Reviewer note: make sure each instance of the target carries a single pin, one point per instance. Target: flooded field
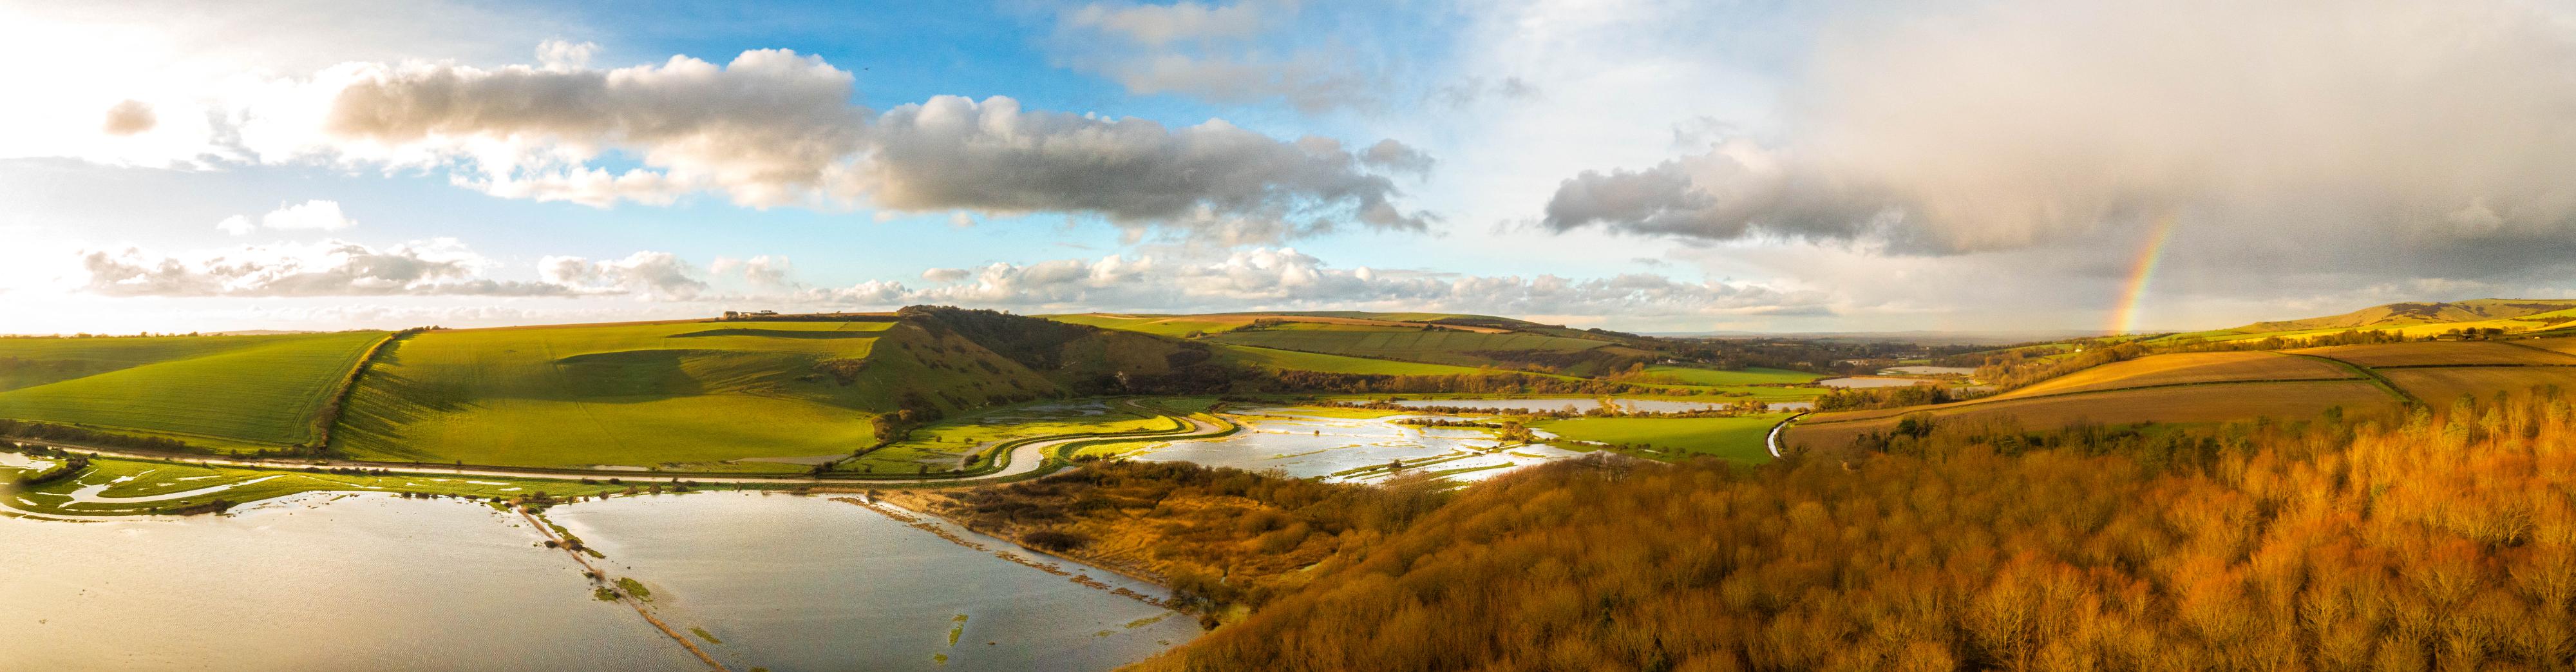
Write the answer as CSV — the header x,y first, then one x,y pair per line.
x,y
1304,444
320,581
805,583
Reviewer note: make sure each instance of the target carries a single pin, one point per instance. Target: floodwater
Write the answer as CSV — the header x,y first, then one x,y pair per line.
x,y
1306,445
1871,382
366,582
805,583
363,581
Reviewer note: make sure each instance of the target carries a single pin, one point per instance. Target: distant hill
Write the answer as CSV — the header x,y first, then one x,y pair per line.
x,y
1441,339
2418,313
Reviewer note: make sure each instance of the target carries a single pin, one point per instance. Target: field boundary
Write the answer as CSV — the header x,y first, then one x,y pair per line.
x,y
2390,386
327,418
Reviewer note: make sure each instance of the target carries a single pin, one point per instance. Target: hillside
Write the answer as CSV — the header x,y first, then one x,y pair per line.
x,y
2423,312
226,392
1423,338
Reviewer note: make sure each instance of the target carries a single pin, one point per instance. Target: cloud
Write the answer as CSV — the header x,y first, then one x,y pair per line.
x,y
770,128
327,268
564,55
1284,278
1213,178
764,271
129,117
313,215
658,275
2397,136
773,128
1397,157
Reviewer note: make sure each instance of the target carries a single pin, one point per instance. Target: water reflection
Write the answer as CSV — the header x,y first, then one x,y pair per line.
x,y
1305,445
367,582
800,583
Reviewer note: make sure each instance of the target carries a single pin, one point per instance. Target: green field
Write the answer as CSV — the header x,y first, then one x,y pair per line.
x,y
1175,326
1748,376
696,396
1738,438
228,392
944,446
1462,348
158,478
1310,361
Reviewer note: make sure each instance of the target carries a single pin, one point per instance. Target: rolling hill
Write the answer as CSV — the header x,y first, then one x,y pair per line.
x,y
2413,320
1474,341
227,392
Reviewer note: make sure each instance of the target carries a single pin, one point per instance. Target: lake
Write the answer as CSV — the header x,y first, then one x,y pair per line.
x,y
1306,445
362,581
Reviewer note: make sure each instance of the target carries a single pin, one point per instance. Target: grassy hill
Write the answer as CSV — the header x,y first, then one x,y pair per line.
x,y
690,393
2413,319
225,392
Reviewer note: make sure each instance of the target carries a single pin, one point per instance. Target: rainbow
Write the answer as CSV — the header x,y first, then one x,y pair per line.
x,y
2124,318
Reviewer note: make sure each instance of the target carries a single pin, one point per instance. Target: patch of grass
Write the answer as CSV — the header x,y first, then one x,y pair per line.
x,y
149,478
687,396
702,634
2441,353
231,392
635,588
942,446
1748,376
1737,438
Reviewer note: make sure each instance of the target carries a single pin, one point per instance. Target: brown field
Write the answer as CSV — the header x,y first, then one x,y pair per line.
x,y
2208,403
2559,344
2440,385
2438,353
2189,367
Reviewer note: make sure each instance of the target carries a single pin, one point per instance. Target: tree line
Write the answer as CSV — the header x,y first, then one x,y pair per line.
x,y
2441,539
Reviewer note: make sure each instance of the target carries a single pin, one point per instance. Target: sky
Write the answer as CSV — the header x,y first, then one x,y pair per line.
x,y
1639,165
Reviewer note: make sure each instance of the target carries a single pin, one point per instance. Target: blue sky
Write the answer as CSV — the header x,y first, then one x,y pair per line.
x,y
1636,164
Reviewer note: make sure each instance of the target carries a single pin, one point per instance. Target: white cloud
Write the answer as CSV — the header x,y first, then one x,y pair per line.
x,y
327,268
770,128
1283,278
655,275
306,216
1159,25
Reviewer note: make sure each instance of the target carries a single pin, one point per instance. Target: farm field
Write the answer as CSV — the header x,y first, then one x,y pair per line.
x,y
2197,403
2440,353
943,446
2440,385
697,395
1310,361
1740,439
2186,368
1748,376
1439,347
224,392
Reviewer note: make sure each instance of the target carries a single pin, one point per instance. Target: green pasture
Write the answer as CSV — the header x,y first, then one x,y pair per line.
x,y
1309,361
699,396
1440,347
1737,438
944,445
1748,376
231,392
